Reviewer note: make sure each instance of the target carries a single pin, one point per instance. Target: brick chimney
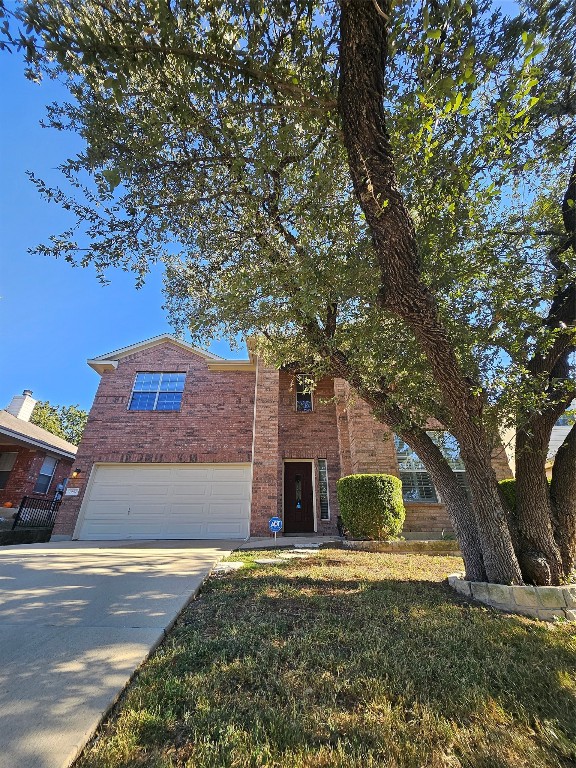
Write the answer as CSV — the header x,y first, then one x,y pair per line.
x,y
22,405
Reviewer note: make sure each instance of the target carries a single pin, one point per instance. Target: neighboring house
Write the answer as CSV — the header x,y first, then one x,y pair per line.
x,y
182,444
559,434
33,461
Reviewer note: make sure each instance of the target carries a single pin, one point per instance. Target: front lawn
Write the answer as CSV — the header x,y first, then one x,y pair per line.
x,y
347,660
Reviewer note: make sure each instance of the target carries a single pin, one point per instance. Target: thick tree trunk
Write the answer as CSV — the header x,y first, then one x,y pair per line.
x,y
563,496
457,504
538,554
363,48
454,497
493,529
545,519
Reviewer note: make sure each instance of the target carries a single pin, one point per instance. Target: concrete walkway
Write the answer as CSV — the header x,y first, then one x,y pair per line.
x,y
284,542
76,620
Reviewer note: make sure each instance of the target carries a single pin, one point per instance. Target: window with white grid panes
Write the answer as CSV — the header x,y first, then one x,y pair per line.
x,y
417,485
157,392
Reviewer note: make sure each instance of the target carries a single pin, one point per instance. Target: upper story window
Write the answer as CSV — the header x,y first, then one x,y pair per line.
x,y
7,461
304,394
157,392
46,474
417,484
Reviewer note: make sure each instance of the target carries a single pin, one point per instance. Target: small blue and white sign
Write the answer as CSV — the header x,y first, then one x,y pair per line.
x,y
275,524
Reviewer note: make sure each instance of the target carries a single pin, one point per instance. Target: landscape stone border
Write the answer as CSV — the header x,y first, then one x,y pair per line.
x,y
429,546
544,603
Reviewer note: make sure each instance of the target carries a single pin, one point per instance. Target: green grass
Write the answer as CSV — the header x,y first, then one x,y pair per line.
x,y
347,660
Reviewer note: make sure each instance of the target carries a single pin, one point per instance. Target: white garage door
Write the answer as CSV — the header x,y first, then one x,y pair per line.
x,y
167,501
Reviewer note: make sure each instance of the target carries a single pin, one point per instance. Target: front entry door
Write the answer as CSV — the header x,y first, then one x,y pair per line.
x,y
298,497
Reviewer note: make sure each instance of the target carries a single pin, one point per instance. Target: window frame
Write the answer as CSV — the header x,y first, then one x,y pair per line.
x,y
44,474
325,462
156,392
7,472
418,468
299,377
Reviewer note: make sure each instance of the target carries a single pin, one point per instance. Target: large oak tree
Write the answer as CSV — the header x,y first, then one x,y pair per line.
x,y
383,192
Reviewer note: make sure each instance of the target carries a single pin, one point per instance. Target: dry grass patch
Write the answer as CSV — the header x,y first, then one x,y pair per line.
x,y
347,660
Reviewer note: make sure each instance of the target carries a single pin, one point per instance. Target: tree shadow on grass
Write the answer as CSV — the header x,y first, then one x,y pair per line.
x,y
268,669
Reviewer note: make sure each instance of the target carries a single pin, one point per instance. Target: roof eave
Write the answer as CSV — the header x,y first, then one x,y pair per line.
x,y
100,366
37,443
232,365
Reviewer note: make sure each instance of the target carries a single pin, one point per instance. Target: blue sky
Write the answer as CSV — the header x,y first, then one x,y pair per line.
x,y
53,316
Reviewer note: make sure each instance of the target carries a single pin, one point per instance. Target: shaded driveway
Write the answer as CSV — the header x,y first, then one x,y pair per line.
x,y
76,619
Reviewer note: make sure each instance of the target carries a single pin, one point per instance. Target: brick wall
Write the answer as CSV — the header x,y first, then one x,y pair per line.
x,y
266,470
214,424
366,445
500,463
25,473
311,435
427,517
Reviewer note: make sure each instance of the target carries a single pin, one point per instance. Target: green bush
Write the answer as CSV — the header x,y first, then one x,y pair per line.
x,y
371,506
508,490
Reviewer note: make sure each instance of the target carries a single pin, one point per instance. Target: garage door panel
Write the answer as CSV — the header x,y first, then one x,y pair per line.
x,y
230,490
188,511
187,475
199,491
146,502
110,492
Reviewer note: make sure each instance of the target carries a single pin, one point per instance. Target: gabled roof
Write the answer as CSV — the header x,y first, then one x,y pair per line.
x,y
23,431
110,361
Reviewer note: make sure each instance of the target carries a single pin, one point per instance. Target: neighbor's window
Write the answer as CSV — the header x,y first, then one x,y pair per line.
x,y
46,474
157,392
416,482
7,461
303,394
323,487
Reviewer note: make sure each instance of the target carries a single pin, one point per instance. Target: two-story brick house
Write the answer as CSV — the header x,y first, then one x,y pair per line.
x,y
183,444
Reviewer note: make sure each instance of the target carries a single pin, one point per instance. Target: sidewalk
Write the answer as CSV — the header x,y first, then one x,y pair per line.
x,y
286,542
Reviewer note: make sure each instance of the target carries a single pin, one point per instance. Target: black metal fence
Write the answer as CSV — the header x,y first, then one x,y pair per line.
x,y
36,513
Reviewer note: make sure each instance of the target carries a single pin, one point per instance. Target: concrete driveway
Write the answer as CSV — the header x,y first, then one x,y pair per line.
x,y
76,620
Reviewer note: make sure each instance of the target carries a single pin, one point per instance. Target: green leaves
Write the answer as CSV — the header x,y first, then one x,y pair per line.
x,y
112,176
213,145
67,422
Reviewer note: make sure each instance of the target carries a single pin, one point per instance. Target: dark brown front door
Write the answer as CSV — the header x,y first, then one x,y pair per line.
x,y
298,497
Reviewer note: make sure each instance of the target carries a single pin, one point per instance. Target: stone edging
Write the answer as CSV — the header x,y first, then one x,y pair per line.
x,y
432,547
545,603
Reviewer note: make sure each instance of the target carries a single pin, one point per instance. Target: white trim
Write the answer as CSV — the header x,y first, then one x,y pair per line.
x,y
223,366
98,464
322,520
302,461
110,360
158,391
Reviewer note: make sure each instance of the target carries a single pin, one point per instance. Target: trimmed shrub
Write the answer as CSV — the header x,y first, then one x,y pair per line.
x,y
508,490
371,506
